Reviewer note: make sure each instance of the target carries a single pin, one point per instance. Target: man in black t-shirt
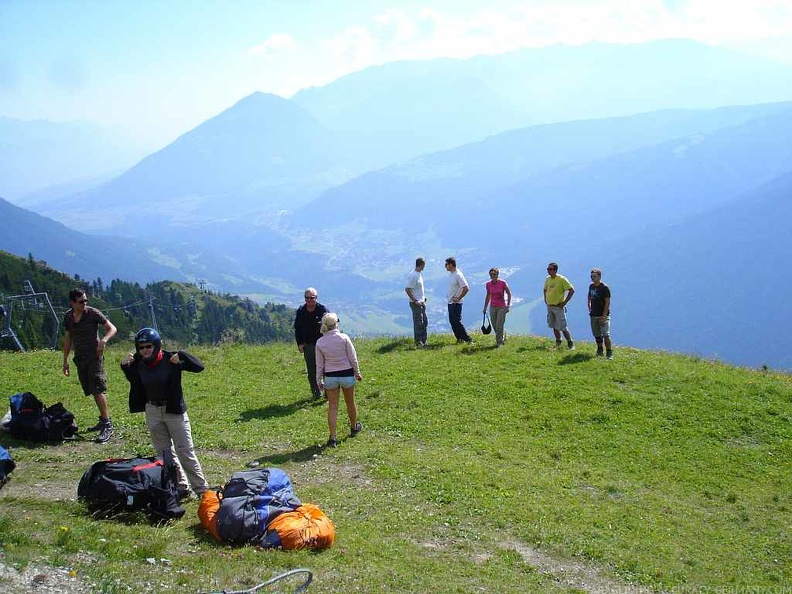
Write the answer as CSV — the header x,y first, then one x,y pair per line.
x,y
82,334
599,299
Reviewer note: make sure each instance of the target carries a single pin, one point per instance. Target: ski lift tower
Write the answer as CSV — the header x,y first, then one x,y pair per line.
x,y
6,331
29,300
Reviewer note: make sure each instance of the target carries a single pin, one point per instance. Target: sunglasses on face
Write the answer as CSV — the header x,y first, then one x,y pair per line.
x,y
144,347
83,301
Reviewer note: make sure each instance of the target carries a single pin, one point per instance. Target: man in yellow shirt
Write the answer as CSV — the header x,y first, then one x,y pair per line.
x,y
557,293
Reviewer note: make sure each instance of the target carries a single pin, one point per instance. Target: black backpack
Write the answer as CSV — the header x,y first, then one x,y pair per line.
x,y
120,485
32,421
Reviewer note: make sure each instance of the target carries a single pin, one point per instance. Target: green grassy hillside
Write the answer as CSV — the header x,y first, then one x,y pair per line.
x,y
522,469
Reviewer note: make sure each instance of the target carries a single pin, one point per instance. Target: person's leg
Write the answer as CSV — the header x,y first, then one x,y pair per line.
x,y
455,319
606,335
561,324
161,441
596,331
419,326
553,324
101,404
462,329
498,316
309,353
332,411
95,383
181,434
424,323
93,380
349,400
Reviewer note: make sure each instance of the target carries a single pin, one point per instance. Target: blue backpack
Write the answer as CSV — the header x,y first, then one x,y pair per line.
x,y
251,499
6,466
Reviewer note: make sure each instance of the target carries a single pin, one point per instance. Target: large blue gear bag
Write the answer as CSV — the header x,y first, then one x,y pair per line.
x,y
7,464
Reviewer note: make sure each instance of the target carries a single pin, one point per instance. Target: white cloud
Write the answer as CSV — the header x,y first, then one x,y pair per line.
x,y
430,33
427,33
279,41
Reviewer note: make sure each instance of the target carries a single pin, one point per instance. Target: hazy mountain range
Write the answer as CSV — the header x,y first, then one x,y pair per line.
x,y
628,158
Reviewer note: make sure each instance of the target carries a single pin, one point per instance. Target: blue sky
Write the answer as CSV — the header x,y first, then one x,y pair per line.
x,y
156,69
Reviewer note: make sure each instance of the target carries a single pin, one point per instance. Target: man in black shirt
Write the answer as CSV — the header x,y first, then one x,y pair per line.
x,y
599,298
306,332
82,324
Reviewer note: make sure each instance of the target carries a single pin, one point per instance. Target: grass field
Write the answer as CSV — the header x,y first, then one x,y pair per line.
x,y
522,469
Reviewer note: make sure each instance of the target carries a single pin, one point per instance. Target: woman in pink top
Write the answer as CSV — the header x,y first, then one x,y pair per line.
x,y
499,298
337,369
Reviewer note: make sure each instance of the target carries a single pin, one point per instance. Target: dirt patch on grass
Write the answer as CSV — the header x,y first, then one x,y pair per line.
x,y
575,574
36,579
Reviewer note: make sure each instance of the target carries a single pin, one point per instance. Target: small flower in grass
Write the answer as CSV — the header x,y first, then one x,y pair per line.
x,y
63,535
72,573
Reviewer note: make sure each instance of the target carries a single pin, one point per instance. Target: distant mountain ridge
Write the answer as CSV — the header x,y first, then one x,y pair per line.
x,y
619,171
259,154
92,256
536,86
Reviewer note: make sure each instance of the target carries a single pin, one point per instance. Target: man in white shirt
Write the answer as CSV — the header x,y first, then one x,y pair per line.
x,y
457,289
415,291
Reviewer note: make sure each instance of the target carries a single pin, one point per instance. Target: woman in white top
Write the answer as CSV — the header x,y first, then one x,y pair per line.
x,y
337,369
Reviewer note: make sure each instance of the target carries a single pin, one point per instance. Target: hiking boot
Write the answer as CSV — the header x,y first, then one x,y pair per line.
x,y
600,352
104,433
609,356
570,345
558,344
356,429
331,443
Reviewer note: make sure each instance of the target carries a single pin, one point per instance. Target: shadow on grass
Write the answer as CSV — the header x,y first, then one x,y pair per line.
x,y
474,348
120,515
201,535
575,358
402,344
433,346
302,455
406,344
80,436
542,346
279,410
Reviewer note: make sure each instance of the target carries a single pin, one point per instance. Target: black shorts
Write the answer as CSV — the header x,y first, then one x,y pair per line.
x,y
92,376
